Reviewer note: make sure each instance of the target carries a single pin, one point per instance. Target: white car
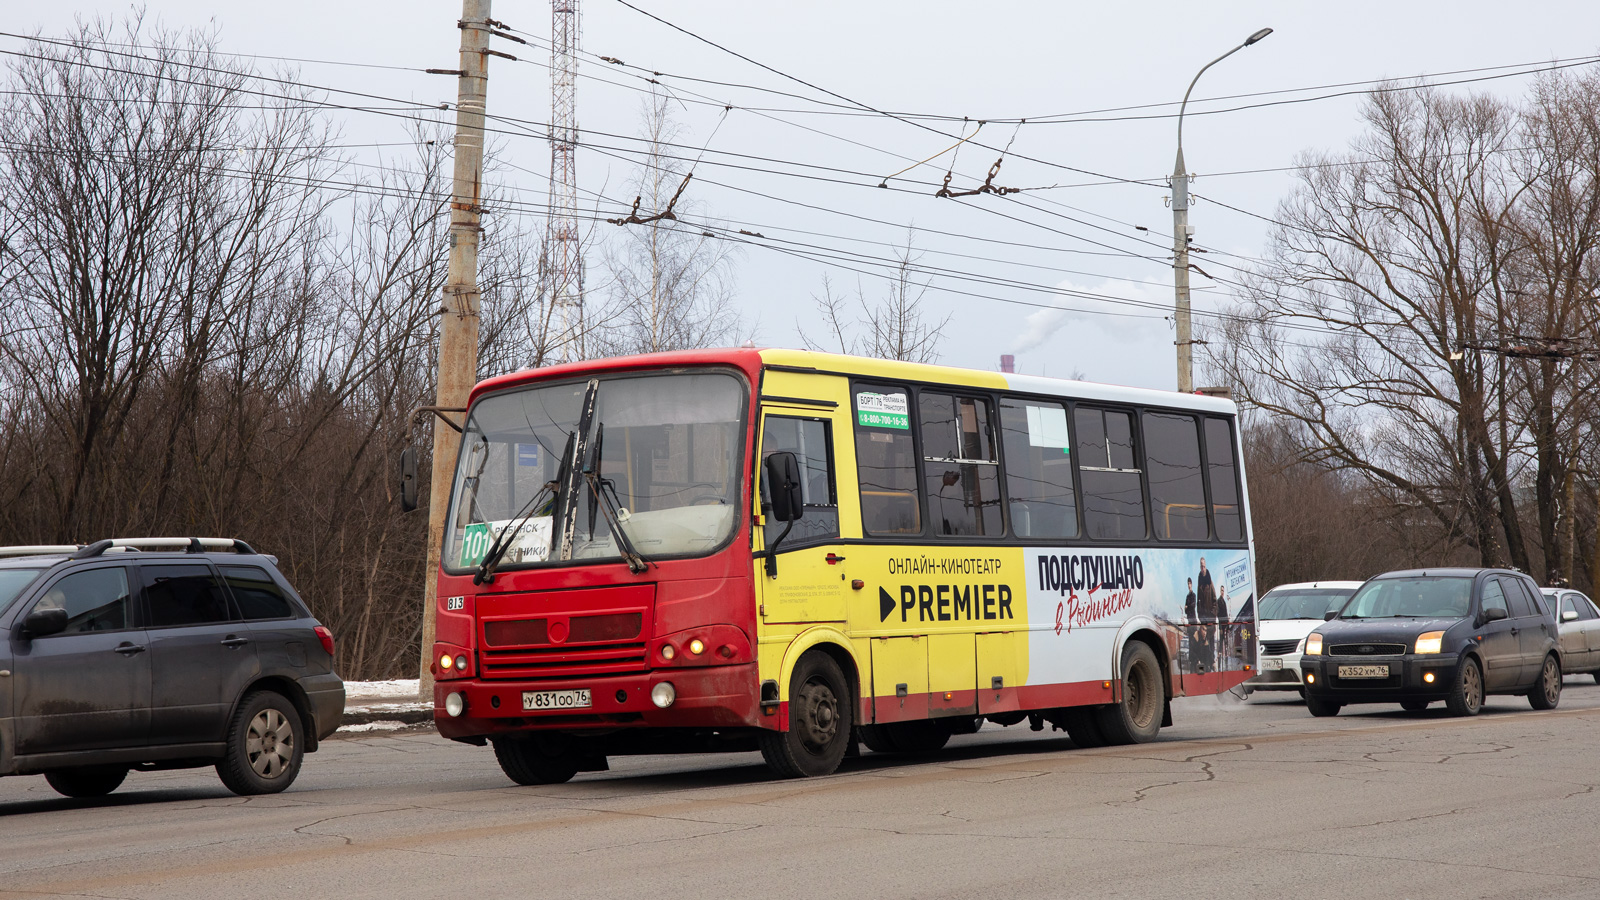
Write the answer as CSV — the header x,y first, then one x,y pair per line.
x,y
1579,625
1286,614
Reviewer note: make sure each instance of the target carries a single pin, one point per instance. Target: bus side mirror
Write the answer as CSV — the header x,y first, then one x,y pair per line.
x,y
408,479
783,486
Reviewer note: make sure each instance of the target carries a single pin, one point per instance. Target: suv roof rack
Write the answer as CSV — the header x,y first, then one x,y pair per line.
x,y
39,550
164,544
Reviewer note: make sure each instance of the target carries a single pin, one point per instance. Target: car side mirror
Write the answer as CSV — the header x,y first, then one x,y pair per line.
x,y
1569,615
1494,614
408,479
783,486
1330,615
44,622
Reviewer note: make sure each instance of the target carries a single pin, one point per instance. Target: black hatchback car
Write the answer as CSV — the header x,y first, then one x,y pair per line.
x,y
162,653
1423,635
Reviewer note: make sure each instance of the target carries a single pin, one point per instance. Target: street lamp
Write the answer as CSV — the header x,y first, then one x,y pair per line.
x,y
1182,232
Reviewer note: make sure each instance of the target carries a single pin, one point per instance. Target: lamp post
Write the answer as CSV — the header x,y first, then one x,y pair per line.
x,y
1182,232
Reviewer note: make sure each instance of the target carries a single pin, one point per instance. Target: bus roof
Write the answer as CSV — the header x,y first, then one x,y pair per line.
x,y
751,360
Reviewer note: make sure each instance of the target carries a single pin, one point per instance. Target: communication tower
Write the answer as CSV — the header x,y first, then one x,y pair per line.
x,y
565,259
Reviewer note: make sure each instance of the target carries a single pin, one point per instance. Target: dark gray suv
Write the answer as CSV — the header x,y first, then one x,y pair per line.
x,y
159,653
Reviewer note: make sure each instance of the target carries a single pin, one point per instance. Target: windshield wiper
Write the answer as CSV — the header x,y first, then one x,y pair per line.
x,y
603,496
502,541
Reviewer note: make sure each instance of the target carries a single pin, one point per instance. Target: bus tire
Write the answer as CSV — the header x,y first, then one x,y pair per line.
x,y
529,761
820,718
1082,727
877,738
1136,718
922,736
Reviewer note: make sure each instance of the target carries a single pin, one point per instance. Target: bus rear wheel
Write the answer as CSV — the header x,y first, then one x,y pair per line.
x,y
1136,718
821,714
1081,725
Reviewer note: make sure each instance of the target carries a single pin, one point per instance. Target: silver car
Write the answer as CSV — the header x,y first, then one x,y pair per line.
x,y
1580,630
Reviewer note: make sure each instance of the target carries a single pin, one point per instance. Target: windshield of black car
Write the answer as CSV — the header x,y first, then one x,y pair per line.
x,y
12,581
1423,596
1302,603
667,446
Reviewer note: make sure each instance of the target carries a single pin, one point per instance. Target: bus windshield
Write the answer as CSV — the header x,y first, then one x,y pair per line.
x,y
658,455
1303,603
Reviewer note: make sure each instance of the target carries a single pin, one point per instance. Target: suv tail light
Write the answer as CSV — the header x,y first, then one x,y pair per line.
x,y
326,637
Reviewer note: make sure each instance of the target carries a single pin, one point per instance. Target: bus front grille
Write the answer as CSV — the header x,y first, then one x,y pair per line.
x,y
563,663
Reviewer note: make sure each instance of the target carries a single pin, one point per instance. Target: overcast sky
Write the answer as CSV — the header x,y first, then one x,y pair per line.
x,y
994,60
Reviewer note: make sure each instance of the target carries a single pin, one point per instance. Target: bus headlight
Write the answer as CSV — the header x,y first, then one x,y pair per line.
x,y
455,704
1313,644
663,694
1430,642
446,661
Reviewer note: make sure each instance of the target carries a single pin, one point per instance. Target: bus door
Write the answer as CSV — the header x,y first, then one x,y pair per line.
x,y
812,583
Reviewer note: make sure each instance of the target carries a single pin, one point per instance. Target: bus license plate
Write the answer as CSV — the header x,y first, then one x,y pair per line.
x,y
578,699
1363,671
1271,663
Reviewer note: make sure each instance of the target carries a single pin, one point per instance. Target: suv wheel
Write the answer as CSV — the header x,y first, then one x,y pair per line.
x,y
90,781
265,745
1466,694
1321,708
1547,693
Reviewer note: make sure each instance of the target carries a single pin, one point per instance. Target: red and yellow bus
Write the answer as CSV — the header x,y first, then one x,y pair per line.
x,y
795,551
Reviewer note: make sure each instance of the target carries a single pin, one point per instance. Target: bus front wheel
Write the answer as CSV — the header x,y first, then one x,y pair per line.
x,y
1136,718
529,760
821,714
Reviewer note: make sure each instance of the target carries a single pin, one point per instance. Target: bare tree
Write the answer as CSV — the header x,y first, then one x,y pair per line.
x,y
671,281
897,326
1423,307
213,325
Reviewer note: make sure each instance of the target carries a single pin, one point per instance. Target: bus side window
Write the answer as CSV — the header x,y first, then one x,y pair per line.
x,y
962,474
1224,473
1177,486
808,440
886,461
1038,457
1113,497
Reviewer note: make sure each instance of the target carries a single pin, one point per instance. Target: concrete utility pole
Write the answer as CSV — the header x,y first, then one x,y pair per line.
x,y
1182,231
458,323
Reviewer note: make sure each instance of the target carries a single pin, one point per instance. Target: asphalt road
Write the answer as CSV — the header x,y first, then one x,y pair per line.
x,y
1237,800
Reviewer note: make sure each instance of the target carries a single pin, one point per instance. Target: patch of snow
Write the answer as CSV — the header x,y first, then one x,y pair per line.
x,y
375,726
390,708
397,689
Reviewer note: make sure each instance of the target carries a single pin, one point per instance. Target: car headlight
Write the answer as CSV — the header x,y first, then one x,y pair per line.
x,y
1430,642
1300,647
1313,644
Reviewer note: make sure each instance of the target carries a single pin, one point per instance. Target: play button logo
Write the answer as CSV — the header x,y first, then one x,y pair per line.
x,y
885,604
